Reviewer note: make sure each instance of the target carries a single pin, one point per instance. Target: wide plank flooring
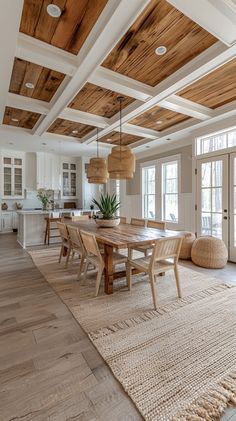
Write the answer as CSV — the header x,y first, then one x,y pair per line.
x,y
49,369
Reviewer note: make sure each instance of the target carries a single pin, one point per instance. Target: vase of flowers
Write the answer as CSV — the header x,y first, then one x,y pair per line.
x,y
44,199
108,207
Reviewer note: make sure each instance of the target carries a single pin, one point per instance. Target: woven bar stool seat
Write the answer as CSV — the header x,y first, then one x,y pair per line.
x,y
188,240
209,252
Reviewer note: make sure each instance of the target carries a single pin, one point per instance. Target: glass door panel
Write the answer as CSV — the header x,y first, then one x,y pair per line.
x,y
213,197
7,181
18,182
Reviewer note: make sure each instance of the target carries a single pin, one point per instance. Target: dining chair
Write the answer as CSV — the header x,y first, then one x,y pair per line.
x,y
94,256
138,221
164,257
51,226
65,242
76,246
123,219
160,225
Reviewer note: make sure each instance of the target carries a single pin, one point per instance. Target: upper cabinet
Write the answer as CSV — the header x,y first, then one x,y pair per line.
x,y
69,176
13,175
48,171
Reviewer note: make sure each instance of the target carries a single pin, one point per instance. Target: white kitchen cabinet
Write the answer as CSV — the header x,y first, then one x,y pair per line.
x,y
48,171
13,175
6,221
69,179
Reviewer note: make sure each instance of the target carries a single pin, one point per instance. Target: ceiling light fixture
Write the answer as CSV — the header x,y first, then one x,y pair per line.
x,y
75,132
159,122
29,85
53,10
161,50
44,144
15,120
121,161
97,169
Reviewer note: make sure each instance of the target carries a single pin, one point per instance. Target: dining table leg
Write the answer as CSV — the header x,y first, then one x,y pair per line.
x,y
108,270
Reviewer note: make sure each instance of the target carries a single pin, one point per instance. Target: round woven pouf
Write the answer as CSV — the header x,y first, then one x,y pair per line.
x,y
188,240
209,252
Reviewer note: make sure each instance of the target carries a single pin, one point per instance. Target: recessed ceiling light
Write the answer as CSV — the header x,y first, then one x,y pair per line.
x,y
15,120
29,85
147,147
161,50
44,144
75,131
53,10
109,140
159,121
168,138
11,143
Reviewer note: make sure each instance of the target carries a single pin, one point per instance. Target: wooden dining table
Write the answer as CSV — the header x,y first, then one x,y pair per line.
x,y
120,237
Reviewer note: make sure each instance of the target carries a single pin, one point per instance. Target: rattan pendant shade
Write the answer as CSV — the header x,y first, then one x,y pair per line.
x,y
121,161
97,169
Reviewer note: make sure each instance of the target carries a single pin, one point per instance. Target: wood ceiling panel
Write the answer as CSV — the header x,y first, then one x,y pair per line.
x,y
215,89
65,127
45,81
96,100
114,139
158,118
160,24
26,119
70,30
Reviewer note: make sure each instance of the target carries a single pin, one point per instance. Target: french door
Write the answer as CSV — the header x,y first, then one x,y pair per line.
x,y
216,204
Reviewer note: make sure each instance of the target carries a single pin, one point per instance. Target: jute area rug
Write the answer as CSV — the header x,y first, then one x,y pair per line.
x,y
176,363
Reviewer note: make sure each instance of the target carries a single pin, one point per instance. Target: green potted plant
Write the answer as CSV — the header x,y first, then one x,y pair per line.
x,y
108,206
44,199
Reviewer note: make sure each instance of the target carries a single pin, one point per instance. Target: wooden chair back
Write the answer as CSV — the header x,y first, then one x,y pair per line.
x,y
90,244
166,248
75,238
123,219
160,225
139,222
63,231
54,214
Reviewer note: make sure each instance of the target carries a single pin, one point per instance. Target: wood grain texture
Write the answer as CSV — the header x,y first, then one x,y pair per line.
x,y
215,89
65,127
45,81
123,235
159,24
26,119
70,30
166,118
96,100
114,138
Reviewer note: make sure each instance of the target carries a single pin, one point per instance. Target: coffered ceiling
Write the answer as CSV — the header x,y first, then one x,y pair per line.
x,y
171,61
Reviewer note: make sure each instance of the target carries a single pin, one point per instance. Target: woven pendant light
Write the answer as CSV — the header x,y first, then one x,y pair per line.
x,y
121,161
97,169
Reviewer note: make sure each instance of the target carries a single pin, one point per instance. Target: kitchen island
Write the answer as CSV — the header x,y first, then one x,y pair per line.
x,y
31,226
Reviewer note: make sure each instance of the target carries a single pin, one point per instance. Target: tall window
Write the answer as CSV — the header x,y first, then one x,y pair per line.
x,y
148,191
170,194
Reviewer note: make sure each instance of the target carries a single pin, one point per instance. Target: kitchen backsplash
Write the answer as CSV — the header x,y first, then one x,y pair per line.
x,y
32,202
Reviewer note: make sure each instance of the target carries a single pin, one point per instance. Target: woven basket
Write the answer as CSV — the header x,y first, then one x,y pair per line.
x,y
188,240
209,252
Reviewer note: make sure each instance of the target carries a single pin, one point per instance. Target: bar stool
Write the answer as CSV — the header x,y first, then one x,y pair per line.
x,y
51,220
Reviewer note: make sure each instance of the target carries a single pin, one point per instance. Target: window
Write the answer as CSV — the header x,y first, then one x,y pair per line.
x,y
170,194
216,142
148,192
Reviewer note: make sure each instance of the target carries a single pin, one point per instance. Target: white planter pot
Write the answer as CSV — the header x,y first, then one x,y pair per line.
x,y
107,223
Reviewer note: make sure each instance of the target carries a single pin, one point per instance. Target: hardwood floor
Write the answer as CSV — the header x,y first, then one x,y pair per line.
x,y
49,369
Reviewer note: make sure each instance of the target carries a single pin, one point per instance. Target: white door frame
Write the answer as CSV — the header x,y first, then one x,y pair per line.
x,y
232,230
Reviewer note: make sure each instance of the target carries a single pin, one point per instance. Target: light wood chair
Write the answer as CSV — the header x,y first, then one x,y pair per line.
x,y
51,226
138,221
123,219
76,247
146,248
94,256
160,225
164,257
77,218
65,242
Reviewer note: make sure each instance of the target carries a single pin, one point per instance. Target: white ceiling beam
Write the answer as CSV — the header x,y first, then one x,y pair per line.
x,y
114,81
197,68
27,104
112,24
216,16
46,55
9,26
185,106
84,118
139,131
